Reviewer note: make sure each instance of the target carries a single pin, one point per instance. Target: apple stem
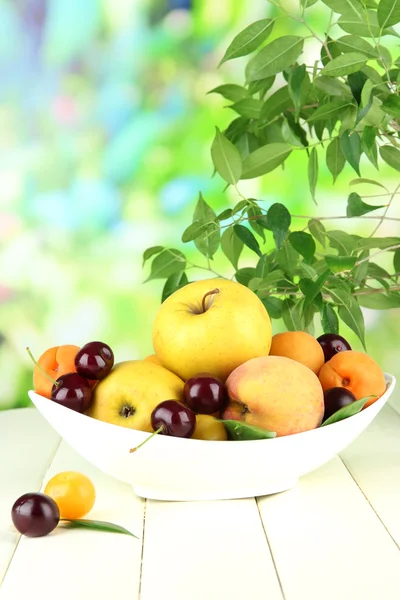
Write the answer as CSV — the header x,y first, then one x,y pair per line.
x,y
35,362
159,430
203,302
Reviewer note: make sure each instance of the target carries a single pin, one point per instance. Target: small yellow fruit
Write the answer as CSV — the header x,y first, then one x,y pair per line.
x,y
208,428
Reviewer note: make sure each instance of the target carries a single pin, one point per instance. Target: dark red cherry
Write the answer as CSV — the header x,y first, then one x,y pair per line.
x,y
35,514
332,343
175,418
72,391
205,394
94,360
336,398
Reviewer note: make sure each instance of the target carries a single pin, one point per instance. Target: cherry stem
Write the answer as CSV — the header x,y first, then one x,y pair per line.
x,y
203,302
35,362
159,430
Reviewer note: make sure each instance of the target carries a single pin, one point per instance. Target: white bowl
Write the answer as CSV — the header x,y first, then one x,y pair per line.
x,y
170,468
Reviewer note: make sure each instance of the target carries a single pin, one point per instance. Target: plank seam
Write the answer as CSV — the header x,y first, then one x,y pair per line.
x,y
142,553
270,549
370,504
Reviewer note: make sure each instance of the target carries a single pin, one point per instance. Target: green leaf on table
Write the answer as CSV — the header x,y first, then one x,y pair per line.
x,y
230,91
350,144
248,107
149,252
343,242
361,180
175,282
357,207
291,314
166,263
226,158
396,261
276,104
354,43
345,64
273,306
207,242
248,40
245,275
349,311
231,246
332,87
317,230
265,159
303,243
313,171
340,263
380,300
275,57
92,524
239,431
388,13
329,319
391,105
391,156
329,110
245,235
347,411
335,159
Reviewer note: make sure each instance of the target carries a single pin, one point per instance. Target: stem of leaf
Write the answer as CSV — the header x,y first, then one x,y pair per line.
x,y
385,211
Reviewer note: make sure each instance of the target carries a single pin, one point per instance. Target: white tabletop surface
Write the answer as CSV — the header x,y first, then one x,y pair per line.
x,y
335,536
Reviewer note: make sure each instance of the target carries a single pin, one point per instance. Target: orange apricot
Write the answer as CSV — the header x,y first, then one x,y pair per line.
x,y
55,361
299,346
355,371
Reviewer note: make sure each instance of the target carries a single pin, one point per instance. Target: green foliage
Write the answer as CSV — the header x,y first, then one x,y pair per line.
x,y
345,105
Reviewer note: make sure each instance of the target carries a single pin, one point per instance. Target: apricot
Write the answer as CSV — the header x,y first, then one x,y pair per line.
x,y
154,359
299,346
355,371
55,361
275,393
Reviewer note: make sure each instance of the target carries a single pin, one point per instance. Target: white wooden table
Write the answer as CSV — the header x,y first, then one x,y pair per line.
x,y
335,536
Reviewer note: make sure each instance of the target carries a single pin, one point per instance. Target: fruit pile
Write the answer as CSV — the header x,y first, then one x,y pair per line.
x,y
216,369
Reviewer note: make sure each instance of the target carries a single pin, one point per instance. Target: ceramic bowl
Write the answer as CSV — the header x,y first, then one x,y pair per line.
x,y
170,468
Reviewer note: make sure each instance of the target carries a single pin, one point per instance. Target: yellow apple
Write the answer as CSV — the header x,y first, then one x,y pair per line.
x,y
213,326
130,392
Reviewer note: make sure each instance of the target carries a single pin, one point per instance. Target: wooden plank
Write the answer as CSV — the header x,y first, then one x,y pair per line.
x,y
27,445
327,542
78,563
374,462
206,551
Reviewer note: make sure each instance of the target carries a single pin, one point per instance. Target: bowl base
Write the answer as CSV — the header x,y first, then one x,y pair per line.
x,y
185,496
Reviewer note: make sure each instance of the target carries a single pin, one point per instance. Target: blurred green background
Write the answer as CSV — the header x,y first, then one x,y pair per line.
x,y
105,134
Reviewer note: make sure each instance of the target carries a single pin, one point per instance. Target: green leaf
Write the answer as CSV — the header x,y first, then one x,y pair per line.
x,y
365,24
349,311
350,144
208,241
291,314
379,301
376,242
361,270
261,86
340,263
329,110
273,306
230,91
236,129
151,252
335,159
391,105
240,206
226,158
249,39
275,57
315,288
347,411
391,156
388,13
317,230
239,431
351,43
231,246
333,49
313,171
357,207
265,159
307,3
375,270
342,6
369,144
278,102
247,238
396,261
248,107
245,275
246,144
329,320
194,231
303,243
343,242
278,217
288,258
262,268
98,525
296,79
361,180
225,214
268,281
345,64
332,87
174,282
257,220
166,263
